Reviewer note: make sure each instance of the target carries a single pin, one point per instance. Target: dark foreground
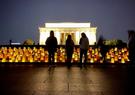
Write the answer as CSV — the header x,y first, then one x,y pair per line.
x,y
60,80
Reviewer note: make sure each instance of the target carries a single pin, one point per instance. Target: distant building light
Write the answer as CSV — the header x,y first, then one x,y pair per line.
x,y
15,43
62,30
67,25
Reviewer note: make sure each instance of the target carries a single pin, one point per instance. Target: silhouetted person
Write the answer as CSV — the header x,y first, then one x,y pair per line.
x,y
84,46
10,42
131,45
69,49
51,44
102,46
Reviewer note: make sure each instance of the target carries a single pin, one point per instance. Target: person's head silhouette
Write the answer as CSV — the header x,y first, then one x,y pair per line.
x,y
51,33
83,35
69,37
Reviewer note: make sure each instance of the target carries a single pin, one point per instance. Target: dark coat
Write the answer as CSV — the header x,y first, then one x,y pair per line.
x,y
69,46
51,44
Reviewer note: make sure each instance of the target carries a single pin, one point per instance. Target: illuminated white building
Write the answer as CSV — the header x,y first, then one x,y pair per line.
x,y
62,30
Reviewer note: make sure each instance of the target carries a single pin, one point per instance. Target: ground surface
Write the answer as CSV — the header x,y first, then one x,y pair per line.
x,y
60,80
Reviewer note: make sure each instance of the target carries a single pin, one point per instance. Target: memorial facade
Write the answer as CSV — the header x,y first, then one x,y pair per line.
x,y
62,30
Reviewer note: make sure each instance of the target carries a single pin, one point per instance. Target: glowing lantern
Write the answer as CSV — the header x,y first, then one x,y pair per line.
x,y
100,55
125,49
112,55
119,57
16,60
122,60
116,53
120,53
108,56
115,49
115,58
112,60
42,59
3,60
23,59
128,60
10,60
93,51
63,60
122,50
73,56
101,61
46,60
31,59
91,60
95,59
1,55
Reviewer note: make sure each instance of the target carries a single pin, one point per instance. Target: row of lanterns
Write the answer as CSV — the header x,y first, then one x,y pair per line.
x,y
27,54
115,55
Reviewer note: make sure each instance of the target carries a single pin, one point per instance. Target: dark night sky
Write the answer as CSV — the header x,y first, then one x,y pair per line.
x,y
20,19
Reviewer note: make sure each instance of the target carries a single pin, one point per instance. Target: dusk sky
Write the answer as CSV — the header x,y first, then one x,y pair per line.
x,y
20,19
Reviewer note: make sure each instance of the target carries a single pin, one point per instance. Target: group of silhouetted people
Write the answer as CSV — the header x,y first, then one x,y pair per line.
x,y
52,44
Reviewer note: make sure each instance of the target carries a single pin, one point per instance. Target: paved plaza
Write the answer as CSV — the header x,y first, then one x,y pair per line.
x,y
60,80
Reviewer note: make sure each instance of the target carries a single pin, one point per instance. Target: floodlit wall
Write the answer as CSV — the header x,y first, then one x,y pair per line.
x,y
61,30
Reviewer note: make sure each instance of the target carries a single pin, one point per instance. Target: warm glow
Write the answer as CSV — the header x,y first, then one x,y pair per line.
x,y
67,25
28,54
43,37
91,36
77,37
57,34
62,30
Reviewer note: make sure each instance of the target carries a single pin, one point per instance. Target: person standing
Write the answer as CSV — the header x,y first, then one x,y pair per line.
x,y
51,44
84,46
103,47
69,49
131,45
